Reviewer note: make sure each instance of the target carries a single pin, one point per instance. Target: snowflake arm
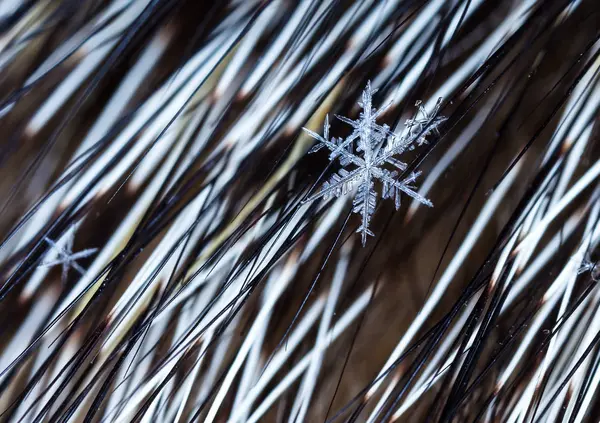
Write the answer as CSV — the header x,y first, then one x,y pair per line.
x,y
364,204
420,127
333,145
366,129
339,184
392,187
323,140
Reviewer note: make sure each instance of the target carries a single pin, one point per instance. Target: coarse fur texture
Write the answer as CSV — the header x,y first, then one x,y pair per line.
x,y
166,254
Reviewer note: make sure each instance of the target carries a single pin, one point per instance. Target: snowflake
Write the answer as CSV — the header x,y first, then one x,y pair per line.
x,y
378,146
589,266
426,124
66,257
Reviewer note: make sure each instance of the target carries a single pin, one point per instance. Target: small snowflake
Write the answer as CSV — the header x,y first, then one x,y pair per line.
x,y
378,146
589,266
66,257
424,123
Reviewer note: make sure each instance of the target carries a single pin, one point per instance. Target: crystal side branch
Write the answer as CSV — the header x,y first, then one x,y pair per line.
x,y
376,147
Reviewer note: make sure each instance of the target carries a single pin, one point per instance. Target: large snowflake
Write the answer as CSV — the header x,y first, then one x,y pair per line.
x,y
378,147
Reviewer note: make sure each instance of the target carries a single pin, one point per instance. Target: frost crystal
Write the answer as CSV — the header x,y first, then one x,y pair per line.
x,y
377,146
589,266
424,123
66,257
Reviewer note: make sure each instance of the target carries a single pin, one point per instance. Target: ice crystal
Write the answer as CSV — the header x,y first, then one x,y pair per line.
x,y
66,257
376,148
589,266
424,123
